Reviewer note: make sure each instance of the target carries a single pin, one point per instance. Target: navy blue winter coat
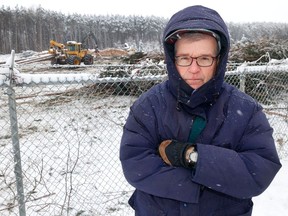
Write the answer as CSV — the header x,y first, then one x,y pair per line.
x,y
237,159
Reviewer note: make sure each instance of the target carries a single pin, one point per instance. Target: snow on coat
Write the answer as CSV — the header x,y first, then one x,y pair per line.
x,y
237,158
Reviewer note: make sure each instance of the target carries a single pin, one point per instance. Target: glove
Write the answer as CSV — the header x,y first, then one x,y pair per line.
x,y
174,153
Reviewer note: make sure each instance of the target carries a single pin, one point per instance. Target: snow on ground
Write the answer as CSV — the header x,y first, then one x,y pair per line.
x,y
273,202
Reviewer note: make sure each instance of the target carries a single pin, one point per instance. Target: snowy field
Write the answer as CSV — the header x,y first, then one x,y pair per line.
x,y
67,144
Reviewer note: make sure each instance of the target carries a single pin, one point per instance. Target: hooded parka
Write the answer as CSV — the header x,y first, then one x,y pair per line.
x,y
237,158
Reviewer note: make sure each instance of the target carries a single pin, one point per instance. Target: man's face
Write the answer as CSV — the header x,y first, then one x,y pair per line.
x,y
195,75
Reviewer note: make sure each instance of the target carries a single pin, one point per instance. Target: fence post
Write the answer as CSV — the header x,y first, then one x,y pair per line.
x,y
242,82
15,142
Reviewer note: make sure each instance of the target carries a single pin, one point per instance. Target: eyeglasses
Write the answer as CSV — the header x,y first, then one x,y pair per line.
x,y
202,61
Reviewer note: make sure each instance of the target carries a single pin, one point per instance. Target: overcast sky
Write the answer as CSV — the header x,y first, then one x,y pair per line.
x,y
230,10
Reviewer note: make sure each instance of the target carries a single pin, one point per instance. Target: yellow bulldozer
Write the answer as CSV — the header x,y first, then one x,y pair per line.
x,y
70,53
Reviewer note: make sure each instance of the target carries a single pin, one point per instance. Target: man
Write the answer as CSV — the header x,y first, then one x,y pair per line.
x,y
194,145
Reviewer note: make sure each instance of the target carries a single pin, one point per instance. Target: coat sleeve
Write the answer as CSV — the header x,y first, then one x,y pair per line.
x,y
247,167
142,166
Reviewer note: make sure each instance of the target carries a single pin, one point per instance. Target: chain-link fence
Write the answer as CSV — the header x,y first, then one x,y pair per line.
x,y
60,134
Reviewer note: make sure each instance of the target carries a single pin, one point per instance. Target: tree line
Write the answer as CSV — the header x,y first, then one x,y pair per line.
x,y
31,29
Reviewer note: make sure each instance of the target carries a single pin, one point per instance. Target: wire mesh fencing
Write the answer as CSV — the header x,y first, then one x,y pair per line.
x,y
60,140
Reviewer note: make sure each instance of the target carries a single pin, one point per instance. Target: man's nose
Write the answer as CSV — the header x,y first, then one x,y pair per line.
x,y
194,67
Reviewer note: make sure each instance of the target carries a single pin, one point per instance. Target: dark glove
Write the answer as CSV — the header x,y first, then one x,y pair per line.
x,y
174,153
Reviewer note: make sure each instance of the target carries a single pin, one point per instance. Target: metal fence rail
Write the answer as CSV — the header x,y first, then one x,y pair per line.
x,y
65,131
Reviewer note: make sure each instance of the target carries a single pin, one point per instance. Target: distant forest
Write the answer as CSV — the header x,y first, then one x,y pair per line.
x,y
31,29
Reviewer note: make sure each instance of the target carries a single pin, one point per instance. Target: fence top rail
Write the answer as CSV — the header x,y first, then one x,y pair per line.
x,y
74,78
258,69
58,79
